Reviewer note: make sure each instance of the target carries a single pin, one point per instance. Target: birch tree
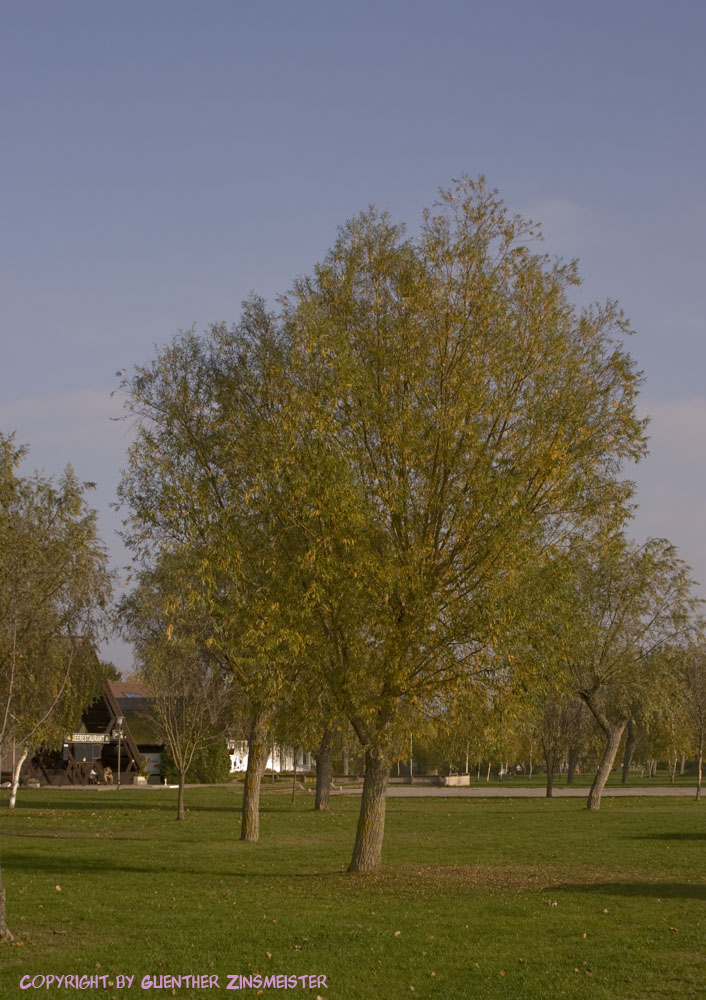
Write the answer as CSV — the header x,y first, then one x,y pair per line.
x,y
54,594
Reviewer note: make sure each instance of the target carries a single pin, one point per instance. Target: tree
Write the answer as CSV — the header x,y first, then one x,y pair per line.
x,y
54,592
456,413
191,700
421,418
618,613
694,668
208,437
556,724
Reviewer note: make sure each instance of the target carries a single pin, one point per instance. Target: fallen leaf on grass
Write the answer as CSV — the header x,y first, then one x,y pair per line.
x,y
397,933
269,954
60,932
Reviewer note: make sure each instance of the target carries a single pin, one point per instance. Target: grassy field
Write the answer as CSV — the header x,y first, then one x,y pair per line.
x,y
485,899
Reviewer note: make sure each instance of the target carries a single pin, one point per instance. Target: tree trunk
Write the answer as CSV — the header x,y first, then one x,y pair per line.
x,y
257,759
180,800
367,851
682,765
573,757
411,762
699,769
629,750
613,735
5,934
549,758
324,773
344,763
487,777
16,777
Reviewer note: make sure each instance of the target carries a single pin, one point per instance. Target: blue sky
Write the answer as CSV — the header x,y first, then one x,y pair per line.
x,y
162,160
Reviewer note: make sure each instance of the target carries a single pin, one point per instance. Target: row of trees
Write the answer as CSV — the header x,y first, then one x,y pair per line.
x,y
512,727
401,487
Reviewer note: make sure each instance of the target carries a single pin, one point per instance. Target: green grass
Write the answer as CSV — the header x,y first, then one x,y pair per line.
x,y
492,899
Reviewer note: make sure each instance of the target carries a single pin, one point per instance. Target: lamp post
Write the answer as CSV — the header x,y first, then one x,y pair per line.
x,y
119,733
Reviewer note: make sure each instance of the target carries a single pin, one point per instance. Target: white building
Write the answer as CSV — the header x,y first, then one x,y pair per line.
x,y
280,758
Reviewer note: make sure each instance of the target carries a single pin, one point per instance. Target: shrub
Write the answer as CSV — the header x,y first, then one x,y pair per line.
x,y
209,766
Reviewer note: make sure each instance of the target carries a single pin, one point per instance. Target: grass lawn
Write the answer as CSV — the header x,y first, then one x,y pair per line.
x,y
488,899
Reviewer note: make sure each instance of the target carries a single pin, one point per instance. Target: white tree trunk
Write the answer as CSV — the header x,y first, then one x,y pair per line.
x,y
16,776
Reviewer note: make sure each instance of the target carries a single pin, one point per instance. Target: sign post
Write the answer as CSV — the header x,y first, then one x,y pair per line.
x,y
119,733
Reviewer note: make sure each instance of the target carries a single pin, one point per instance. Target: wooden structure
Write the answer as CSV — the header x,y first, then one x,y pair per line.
x,y
104,750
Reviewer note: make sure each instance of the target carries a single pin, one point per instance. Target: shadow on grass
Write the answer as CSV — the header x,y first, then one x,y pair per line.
x,y
115,802
109,803
18,862
694,835
651,890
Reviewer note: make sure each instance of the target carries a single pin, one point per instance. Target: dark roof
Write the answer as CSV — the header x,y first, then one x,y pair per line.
x,y
134,700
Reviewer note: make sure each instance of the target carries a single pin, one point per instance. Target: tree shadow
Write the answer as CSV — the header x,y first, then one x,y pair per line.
x,y
103,804
694,835
14,861
651,890
115,802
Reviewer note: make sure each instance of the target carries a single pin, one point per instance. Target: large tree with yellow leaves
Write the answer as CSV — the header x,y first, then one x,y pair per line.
x,y
428,414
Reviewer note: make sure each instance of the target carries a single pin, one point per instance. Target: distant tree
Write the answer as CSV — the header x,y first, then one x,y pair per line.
x,y
556,725
615,611
190,696
694,673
